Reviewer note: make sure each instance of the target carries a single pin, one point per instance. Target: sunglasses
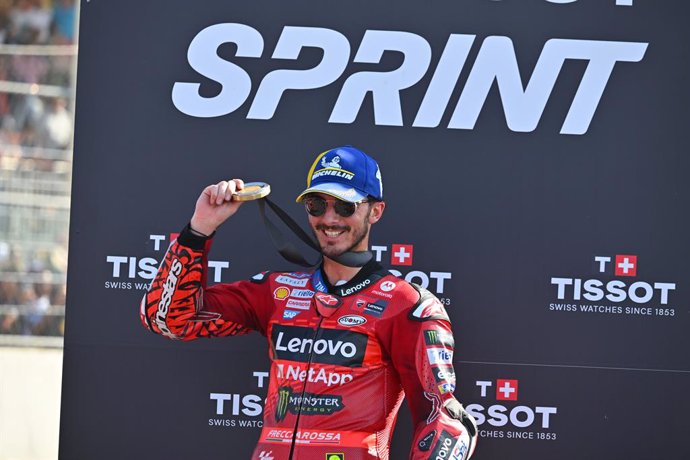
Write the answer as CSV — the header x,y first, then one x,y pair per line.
x,y
316,206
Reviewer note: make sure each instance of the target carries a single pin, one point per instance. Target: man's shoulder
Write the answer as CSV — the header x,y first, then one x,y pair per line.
x,y
396,291
416,302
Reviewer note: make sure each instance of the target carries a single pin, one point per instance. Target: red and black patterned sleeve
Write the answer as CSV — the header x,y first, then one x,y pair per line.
x,y
421,350
178,306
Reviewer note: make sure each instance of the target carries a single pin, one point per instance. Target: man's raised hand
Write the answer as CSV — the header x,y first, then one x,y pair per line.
x,y
215,205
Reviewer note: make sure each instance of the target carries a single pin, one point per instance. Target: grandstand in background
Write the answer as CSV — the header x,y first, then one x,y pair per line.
x,y
37,77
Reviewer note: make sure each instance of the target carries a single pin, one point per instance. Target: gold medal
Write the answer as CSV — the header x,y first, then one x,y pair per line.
x,y
252,191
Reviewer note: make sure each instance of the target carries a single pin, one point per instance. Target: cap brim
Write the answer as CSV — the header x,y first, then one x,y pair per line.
x,y
339,191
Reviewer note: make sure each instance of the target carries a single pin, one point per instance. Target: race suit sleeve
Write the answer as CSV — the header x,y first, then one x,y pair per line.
x,y
178,306
420,344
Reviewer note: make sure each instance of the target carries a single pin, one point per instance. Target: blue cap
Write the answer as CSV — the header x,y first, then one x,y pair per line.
x,y
346,173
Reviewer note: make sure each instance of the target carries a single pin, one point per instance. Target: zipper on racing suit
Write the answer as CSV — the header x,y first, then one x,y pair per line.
x,y
304,386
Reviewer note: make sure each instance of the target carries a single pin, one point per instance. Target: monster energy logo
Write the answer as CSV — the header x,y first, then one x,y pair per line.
x,y
309,404
283,401
436,337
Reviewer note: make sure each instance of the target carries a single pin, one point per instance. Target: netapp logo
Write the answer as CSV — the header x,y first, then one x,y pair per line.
x,y
329,346
496,60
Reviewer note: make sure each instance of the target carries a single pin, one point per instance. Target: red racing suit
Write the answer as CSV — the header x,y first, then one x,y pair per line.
x,y
342,358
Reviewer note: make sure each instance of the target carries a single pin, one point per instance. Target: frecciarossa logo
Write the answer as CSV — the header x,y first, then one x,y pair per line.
x,y
326,346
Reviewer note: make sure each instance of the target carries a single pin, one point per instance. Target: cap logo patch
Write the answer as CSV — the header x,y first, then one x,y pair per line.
x,y
334,163
332,168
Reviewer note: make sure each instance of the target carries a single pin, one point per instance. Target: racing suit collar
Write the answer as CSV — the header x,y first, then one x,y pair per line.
x,y
366,276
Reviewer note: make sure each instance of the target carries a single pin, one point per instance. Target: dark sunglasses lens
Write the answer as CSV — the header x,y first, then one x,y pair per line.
x,y
315,206
344,209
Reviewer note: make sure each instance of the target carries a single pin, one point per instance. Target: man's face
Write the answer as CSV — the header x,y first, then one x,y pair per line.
x,y
337,234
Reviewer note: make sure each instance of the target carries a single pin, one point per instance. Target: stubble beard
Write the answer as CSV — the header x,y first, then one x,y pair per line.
x,y
358,236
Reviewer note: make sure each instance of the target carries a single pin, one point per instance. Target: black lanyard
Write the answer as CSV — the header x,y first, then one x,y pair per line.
x,y
289,251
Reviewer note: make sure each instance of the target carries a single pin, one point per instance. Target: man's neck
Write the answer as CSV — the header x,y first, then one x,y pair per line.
x,y
337,273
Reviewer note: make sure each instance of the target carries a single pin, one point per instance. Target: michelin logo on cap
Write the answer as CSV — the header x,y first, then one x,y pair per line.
x,y
346,173
332,168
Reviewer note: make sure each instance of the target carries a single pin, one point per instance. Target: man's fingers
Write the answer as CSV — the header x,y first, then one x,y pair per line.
x,y
234,186
222,188
212,192
223,191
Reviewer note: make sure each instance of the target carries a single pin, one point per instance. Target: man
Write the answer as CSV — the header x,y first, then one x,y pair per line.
x,y
347,343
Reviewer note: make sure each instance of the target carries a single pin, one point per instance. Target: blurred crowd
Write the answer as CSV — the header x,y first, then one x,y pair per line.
x,y
37,22
32,290
36,119
37,63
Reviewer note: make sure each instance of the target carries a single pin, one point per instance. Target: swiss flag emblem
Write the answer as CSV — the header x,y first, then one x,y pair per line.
x,y
506,390
402,254
626,265
173,236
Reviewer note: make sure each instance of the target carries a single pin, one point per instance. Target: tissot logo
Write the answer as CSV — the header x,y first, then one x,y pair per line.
x,y
614,289
134,272
510,416
402,255
496,62
237,409
327,346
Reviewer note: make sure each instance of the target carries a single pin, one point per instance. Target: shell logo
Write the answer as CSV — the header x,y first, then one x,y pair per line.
x,y
281,293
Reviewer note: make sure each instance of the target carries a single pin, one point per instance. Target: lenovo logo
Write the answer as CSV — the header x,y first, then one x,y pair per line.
x,y
327,346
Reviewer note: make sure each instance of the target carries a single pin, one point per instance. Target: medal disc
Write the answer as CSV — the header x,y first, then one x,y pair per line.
x,y
252,191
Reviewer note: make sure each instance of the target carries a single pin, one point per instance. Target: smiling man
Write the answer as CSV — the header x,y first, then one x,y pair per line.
x,y
348,341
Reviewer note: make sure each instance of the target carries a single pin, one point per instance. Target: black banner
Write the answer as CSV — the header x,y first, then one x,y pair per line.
x,y
534,160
